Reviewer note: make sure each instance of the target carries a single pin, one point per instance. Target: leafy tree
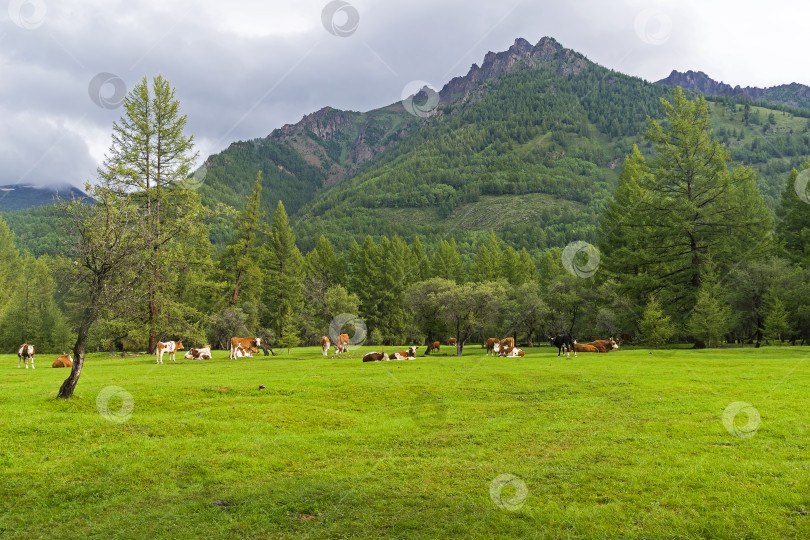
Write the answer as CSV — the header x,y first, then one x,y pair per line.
x,y
525,311
468,308
424,299
655,327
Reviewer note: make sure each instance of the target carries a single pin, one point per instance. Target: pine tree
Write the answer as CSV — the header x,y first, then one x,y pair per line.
x,y
241,258
776,324
711,318
793,217
655,327
446,262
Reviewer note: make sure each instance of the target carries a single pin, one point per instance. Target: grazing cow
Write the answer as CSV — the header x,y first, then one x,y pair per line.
x,y
342,342
24,353
605,345
203,353
63,361
170,347
452,342
435,346
584,348
375,357
325,344
511,352
564,341
405,355
245,343
507,343
492,345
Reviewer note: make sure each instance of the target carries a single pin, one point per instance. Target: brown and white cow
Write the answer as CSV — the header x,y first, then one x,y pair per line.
x,y
63,361
405,355
507,343
605,345
451,342
511,352
24,353
342,343
325,344
202,353
246,343
375,357
170,347
493,345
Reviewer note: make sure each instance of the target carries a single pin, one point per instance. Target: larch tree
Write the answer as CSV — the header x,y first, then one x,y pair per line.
x,y
241,257
151,157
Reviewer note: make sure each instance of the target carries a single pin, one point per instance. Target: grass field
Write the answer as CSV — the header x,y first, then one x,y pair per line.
x,y
629,444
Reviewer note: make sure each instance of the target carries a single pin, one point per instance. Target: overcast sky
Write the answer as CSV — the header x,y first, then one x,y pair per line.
x,y
243,68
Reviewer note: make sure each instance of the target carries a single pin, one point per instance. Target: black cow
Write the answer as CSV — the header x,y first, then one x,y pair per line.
x,y
564,341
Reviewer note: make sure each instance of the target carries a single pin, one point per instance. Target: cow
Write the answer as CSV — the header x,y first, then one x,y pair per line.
x,y
203,353
511,352
507,342
24,353
451,342
325,344
584,347
605,345
492,345
245,343
375,357
63,361
564,341
170,347
342,342
435,346
405,355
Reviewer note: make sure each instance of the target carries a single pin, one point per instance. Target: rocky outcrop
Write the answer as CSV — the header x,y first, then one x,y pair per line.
x,y
793,94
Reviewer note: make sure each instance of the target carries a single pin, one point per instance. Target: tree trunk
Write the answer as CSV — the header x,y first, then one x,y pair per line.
x,y
152,320
459,347
69,385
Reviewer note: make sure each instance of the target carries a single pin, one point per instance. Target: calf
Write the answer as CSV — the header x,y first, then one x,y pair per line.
x,y
63,361
325,344
492,345
375,357
25,353
564,341
170,347
245,343
203,353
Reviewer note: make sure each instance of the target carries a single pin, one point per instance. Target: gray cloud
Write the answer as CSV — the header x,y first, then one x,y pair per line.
x,y
245,68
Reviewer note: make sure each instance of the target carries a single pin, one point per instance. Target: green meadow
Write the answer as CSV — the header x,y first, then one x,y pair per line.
x,y
630,444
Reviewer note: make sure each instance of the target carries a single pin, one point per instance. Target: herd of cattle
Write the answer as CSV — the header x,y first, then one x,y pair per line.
x,y
245,347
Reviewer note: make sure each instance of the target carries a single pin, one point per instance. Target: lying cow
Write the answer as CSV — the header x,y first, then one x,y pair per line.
x,y
584,347
511,352
507,343
564,342
375,357
325,344
246,343
492,345
242,352
25,353
63,361
405,355
203,353
170,347
605,345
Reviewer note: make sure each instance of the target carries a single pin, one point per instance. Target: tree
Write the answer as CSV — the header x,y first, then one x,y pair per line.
x,y
468,308
793,217
151,157
284,267
776,325
655,327
711,319
670,215
525,311
241,256
446,262
110,262
424,300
